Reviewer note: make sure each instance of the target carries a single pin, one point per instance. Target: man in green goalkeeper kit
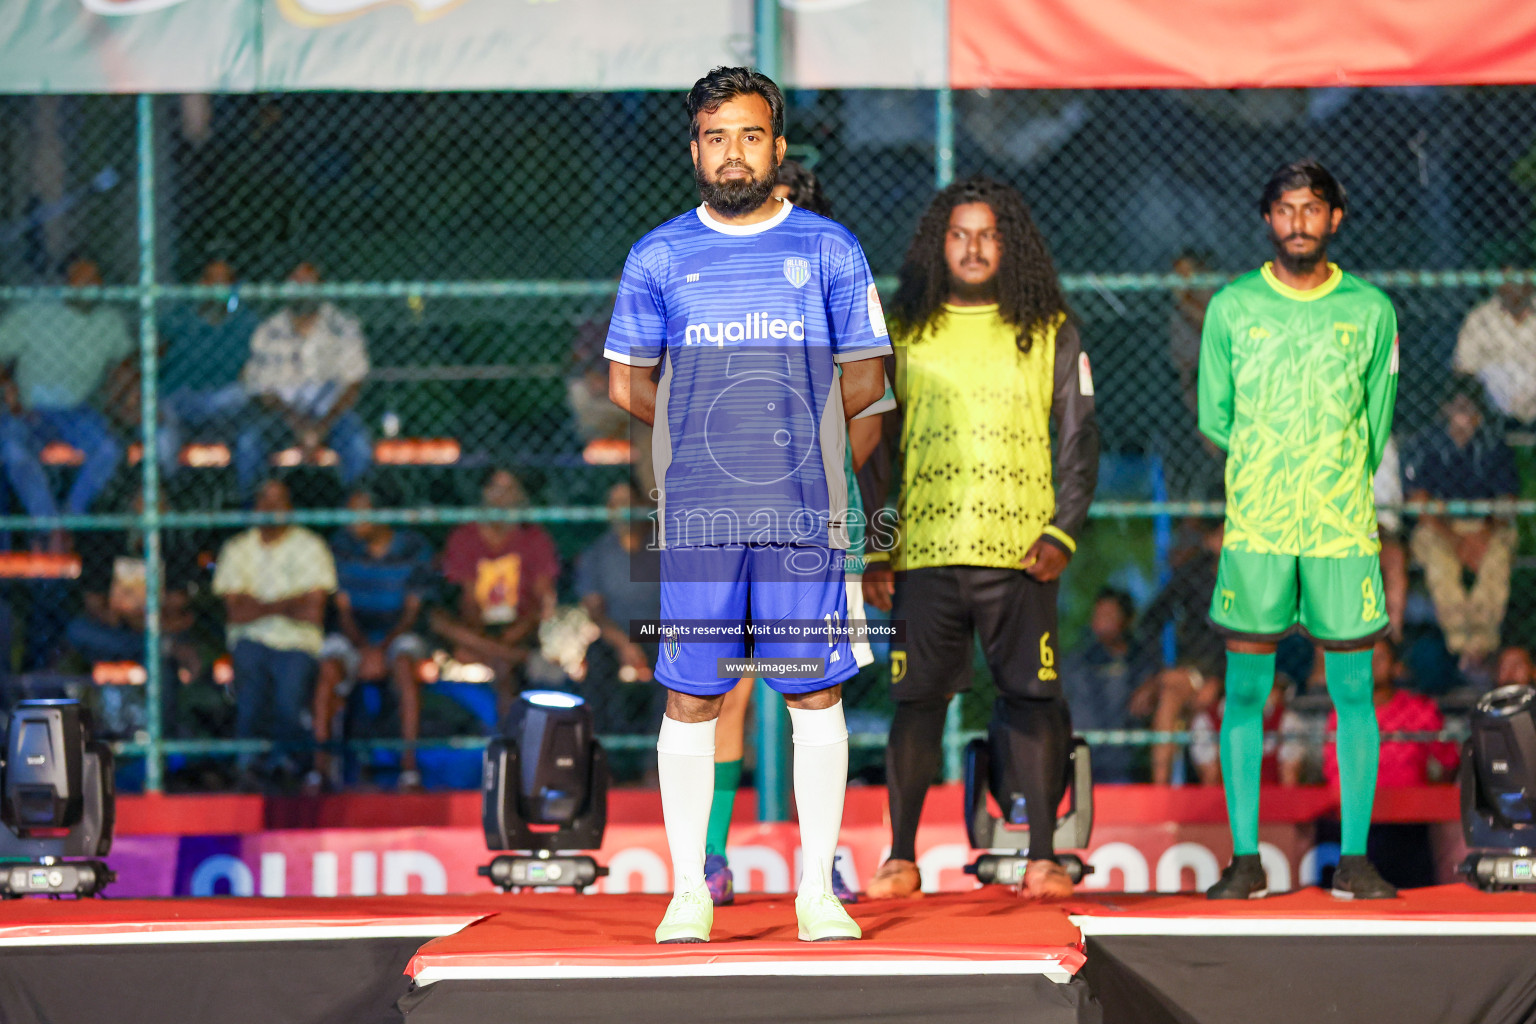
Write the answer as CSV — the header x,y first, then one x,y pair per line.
x,y
1298,373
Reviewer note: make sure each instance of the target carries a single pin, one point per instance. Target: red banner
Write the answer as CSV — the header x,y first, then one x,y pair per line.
x,y
765,858
1112,44
1145,838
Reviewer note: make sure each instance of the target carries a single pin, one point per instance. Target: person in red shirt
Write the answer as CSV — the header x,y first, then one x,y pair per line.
x,y
1404,851
1284,752
506,576
1403,762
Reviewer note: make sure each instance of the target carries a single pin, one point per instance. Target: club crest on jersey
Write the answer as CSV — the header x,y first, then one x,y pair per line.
x,y
670,646
1344,333
797,270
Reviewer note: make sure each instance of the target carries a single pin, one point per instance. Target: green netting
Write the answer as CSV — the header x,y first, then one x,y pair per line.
x,y
473,242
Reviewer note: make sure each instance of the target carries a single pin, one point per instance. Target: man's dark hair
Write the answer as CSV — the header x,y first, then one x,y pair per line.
x,y
724,84
1464,385
1307,174
1201,258
490,474
274,481
804,188
381,492
1121,598
1029,295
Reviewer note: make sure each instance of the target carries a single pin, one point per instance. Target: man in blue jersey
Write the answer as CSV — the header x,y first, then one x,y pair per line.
x,y
749,306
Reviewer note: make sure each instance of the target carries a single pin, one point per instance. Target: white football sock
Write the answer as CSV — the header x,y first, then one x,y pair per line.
x,y
821,778
685,765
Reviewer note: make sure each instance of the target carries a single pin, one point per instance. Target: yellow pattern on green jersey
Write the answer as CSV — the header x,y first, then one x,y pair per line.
x,y
1298,388
976,442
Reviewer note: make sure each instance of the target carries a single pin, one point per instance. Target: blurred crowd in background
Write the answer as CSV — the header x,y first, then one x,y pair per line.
x,y
367,403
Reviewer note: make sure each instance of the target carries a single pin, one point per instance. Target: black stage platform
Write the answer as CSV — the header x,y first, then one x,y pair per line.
x,y
1444,954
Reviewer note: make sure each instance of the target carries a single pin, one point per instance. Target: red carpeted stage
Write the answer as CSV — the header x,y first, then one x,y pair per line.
x,y
1441,954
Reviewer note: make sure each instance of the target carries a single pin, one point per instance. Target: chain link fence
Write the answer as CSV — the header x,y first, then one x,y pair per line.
x,y
459,254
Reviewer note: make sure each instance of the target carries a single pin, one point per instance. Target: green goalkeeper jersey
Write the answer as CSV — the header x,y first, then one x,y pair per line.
x,y
1297,388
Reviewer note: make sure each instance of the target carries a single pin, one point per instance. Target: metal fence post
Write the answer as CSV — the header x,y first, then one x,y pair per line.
x,y
154,776
766,37
943,138
773,769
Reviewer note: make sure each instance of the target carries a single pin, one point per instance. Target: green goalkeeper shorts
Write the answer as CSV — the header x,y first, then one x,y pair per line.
x,y
1337,601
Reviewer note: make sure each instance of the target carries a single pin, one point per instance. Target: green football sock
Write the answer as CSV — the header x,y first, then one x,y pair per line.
x,y
1350,684
1250,677
727,781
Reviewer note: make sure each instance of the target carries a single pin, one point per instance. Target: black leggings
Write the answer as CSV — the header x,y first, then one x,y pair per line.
x,y
1030,740
911,761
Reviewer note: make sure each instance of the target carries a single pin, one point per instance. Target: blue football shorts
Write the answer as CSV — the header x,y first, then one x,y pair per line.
x,y
765,584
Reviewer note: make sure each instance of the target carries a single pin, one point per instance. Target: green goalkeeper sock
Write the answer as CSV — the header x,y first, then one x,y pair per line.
x,y
1350,684
1250,677
727,781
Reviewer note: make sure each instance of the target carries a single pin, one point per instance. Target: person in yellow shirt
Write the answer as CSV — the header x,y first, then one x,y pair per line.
x,y
274,581
987,360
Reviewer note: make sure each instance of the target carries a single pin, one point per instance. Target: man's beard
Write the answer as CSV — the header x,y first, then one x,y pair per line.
x,y
1298,264
737,196
973,292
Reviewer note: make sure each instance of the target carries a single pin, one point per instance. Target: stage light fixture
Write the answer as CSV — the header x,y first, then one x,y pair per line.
x,y
1006,838
544,789
1498,790
56,802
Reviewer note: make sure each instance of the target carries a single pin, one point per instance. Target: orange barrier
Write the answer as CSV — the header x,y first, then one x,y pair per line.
x,y
118,673
394,451
417,451
57,453
29,565
607,451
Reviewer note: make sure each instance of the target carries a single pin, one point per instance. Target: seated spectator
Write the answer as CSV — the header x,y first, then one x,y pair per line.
x,y
1404,851
606,583
1515,668
114,591
60,354
1403,762
383,575
206,345
586,388
1463,459
597,418
274,581
306,370
618,582
506,573
1284,749
1101,677
1193,677
1497,345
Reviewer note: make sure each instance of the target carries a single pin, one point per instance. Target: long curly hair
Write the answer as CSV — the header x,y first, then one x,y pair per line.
x,y
804,188
1028,292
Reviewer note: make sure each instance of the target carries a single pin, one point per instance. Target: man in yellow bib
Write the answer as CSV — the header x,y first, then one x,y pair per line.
x,y
987,359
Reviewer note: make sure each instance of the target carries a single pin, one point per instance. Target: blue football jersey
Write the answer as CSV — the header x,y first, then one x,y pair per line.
x,y
750,323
